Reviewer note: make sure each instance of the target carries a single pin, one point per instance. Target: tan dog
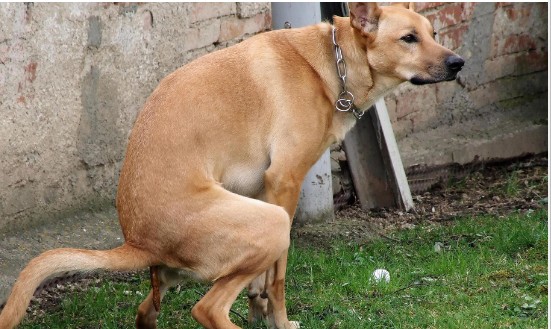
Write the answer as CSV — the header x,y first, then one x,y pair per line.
x,y
217,156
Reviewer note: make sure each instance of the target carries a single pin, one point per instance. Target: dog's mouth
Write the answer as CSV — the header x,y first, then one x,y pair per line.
x,y
416,80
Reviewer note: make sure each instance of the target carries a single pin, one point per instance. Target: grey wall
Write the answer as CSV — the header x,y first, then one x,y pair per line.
x,y
73,76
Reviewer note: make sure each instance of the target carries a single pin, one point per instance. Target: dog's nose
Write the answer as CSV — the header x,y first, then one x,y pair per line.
x,y
455,63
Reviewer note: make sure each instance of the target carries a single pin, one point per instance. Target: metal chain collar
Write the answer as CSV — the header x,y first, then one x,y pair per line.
x,y
345,102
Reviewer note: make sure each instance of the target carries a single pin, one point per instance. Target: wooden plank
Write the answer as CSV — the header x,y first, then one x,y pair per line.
x,y
375,164
389,146
366,165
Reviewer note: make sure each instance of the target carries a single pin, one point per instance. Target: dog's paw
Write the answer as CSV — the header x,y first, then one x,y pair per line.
x,y
283,324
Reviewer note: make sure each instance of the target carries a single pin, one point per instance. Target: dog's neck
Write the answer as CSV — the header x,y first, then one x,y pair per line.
x,y
359,80
363,82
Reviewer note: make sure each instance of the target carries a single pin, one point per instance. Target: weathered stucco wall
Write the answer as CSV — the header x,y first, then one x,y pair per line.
x,y
498,106
74,76
72,79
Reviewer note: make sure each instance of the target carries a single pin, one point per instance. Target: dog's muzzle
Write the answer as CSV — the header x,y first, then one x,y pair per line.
x,y
452,65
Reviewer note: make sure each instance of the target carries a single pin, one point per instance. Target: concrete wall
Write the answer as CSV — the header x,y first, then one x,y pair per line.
x,y
498,106
73,77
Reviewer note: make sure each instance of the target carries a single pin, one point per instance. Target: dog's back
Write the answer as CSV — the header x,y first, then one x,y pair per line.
x,y
217,119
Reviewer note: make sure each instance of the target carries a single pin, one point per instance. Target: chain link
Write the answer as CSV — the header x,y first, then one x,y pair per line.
x,y
341,66
345,102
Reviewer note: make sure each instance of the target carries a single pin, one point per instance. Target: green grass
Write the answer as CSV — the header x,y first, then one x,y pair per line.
x,y
489,273
512,187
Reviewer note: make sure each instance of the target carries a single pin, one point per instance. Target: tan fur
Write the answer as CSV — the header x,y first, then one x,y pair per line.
x,y
216,159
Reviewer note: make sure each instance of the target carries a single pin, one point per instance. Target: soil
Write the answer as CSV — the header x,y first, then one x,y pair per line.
x,y
497,190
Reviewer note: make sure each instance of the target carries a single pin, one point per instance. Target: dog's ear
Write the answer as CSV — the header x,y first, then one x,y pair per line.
x,y
407,5
364,16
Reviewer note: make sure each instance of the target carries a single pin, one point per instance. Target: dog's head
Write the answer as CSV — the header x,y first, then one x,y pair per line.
x,y
401,44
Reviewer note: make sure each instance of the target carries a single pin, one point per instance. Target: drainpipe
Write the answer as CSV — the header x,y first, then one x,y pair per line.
x,y
316,197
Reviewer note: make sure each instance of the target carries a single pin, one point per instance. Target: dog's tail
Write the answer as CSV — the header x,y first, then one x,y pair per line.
x,y
58,261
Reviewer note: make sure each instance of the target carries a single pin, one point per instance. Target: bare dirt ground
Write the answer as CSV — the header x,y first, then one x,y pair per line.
x,y
514,187
497,190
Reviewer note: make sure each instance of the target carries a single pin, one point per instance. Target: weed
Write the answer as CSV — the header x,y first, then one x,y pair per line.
x,y
512,187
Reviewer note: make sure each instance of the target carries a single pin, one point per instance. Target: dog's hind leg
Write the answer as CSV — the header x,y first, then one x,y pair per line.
x,y
221,237
212,311
147,311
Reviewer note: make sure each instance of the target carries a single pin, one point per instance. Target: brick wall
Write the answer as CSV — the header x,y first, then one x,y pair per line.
x,y
496,109
498,106
73,77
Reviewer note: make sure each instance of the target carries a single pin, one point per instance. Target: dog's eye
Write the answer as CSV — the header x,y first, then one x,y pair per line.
x,y
409,38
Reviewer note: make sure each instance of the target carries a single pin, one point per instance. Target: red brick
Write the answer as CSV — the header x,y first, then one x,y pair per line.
x,y
415,99
514,43
498,67
522,14
532,61
517,43
515,65
231,28
201,11
503,4
451,15
468,10
515,19
445,91
402,128
250,9
453,38
432,20
424,6
519,28
508,88
483,95
197,38
234,27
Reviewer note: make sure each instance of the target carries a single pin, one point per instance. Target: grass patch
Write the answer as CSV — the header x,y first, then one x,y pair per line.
x,y
482,272
512,187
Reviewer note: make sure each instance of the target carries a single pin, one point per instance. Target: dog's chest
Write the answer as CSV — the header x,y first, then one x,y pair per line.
x,y
244,179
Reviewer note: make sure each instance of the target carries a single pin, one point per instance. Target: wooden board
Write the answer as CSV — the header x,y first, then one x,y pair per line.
x,y
375,163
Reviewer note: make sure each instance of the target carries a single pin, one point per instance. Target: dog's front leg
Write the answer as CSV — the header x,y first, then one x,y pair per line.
x,y
275,289
282,187
258,301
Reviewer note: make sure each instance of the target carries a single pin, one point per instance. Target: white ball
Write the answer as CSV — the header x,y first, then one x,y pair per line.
x,y
381,274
